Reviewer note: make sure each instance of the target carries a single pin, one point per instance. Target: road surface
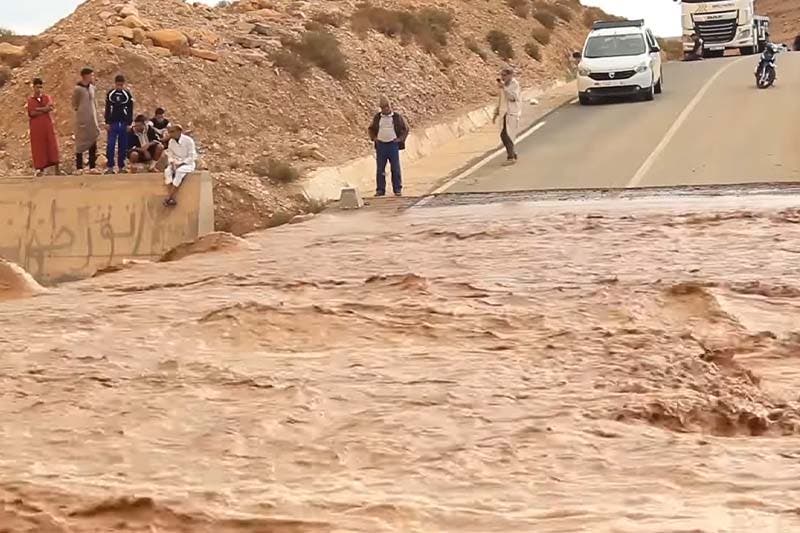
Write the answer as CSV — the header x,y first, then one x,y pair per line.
x,y
711,126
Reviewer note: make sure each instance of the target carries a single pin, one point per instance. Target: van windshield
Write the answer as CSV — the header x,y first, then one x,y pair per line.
x,y
615,45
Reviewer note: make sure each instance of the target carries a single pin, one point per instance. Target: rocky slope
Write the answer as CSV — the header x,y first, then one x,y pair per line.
x,y
785,15
245,77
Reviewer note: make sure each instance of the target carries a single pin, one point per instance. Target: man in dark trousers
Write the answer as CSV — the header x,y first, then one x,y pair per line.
x,y
144,144
119,117
388,131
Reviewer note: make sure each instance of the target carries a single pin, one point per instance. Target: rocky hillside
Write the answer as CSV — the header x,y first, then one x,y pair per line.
x,y
785,15
270,86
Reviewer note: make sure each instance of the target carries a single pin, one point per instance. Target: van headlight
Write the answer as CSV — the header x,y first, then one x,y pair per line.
x,y
583,71
642,68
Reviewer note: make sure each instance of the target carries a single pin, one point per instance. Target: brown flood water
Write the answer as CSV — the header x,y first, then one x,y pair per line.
x,y
595,367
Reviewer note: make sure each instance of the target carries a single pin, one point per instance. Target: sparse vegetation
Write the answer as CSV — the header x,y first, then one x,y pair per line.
x,y
281,171
533,49
5,75
327,19
291,62
500,43
546,18
474,47
541,35
521,8
429,26
223,3
313,25
319,48
563,12
5,32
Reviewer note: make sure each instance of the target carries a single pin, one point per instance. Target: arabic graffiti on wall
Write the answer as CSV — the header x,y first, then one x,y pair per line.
x,y
86,237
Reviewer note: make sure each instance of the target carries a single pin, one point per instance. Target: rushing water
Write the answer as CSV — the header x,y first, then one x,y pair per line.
x,y
627,367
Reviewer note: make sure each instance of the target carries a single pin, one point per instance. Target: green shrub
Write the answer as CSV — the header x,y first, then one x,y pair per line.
x,y
327,19
474,47
533,49
521,8
563,12
500,43
429,26
274,169
281,171
546,18
320,48
541,35
291,62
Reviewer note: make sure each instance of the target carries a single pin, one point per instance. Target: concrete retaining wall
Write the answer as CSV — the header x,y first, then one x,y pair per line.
x,y
66,228
326,183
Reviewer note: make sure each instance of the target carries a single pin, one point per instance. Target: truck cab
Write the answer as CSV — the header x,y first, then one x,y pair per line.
x,y
723,25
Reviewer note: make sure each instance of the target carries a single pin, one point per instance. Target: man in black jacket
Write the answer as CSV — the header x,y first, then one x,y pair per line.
x,y
388,131
144,144
119,117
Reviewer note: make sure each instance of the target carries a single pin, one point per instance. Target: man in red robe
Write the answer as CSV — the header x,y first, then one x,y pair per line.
x,y
44,145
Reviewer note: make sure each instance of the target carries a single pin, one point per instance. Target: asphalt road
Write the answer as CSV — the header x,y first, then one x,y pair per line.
x,y
710,126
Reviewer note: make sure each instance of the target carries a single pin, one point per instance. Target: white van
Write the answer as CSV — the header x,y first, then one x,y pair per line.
x,y
620,58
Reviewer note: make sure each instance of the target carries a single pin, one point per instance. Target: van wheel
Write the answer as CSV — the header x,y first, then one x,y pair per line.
x,y
649,94
660,84
584,99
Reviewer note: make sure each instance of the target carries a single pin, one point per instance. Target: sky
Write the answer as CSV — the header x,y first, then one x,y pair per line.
x,y
26,17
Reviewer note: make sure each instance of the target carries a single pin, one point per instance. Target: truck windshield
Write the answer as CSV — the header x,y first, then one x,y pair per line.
x,y
615,46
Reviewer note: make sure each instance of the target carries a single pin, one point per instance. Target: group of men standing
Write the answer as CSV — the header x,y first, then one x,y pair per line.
x,y
142,141
130,138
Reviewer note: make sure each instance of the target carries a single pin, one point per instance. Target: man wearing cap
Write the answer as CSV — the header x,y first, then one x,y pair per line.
x,y
181,158
388,131
509,108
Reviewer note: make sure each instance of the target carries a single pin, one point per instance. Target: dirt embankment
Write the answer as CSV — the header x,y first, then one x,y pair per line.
x,y
273,88
785,18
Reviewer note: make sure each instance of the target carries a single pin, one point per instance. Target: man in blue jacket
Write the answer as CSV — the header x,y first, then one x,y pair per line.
x,y
119,117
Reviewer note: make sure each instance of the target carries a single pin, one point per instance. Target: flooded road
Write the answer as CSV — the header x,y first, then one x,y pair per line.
x,y
627,366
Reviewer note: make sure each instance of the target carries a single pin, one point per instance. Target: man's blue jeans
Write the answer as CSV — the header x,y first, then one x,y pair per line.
x,y
117,137
388,153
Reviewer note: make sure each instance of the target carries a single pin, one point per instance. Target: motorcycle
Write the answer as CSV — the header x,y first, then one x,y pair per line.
x,y
766,71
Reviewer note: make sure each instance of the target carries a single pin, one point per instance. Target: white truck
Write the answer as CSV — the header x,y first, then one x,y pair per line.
x,y
723,25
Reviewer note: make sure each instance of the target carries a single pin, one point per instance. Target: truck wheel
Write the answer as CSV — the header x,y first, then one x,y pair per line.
x,y
660,85
748,50
584,99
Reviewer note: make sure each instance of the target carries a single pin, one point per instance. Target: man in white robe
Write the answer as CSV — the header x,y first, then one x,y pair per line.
x,y
181,160
509,108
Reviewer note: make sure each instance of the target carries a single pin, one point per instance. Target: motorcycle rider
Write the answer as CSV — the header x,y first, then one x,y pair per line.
x,y
768,57
697,51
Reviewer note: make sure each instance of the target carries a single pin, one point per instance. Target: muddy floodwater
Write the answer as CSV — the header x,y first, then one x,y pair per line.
x,y
627,366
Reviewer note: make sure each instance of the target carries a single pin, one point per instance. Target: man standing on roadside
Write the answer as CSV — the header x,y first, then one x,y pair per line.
x,y
87,130
509,108
119,117
388,131
44,144
182,159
